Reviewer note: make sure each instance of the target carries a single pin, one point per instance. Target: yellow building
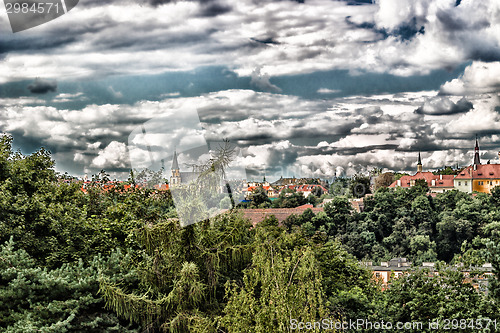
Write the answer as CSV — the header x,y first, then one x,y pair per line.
x,y
478,178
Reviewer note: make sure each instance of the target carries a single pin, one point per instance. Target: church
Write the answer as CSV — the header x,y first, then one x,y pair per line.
x,y
179,177
436,183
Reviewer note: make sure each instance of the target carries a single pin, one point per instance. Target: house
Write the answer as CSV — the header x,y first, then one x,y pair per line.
x,y
384,272
478,178
396,267
306,189
270,191
436,183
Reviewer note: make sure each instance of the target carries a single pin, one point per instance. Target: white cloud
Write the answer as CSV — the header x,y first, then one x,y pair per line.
x,y
483,118
328,91
126,38
478,78
115,155
274,130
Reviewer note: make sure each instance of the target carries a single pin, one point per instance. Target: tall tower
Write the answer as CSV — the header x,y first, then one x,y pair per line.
x,y
176,175
419,163
476,154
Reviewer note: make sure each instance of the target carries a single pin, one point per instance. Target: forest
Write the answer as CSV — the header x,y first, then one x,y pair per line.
x,y
117,259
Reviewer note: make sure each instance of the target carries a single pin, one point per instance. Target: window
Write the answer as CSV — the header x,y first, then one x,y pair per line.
x,y
465,183
459,183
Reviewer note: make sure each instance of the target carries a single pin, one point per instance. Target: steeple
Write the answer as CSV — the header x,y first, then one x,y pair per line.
x,y
175,163
176,175
419,163
477,161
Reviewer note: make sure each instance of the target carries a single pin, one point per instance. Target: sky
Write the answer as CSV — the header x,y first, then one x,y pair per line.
x,y
318,88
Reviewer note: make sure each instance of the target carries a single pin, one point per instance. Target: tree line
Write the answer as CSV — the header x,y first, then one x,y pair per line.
x,y
117,260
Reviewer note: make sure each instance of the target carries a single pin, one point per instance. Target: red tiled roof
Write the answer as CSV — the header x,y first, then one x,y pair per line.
x,y
162,187
304,188
305,206
108,186
251,188
446,181
486,171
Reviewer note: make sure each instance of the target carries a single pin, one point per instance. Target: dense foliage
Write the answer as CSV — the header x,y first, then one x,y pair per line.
x,y
113,258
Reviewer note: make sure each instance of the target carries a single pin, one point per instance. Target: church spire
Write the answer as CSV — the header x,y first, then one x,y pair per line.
x,y
477,161
419,163
175,163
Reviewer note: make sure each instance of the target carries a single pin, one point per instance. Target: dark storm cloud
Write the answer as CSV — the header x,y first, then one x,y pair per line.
x,y
357,2
34,44
451,22
41,86
345,151
266,40
213,9
282,157
440,105
368,26
486,54
407,31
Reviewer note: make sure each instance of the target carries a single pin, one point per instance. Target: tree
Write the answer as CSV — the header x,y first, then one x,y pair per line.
x,y
384,180
259,197
423,215
359,186
64,299
421,296
183,272
282,284
421,186
339,211
289,198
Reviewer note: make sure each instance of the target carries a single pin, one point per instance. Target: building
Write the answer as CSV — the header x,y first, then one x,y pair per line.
x,y
436,183
396,267
478,177
270,191
384,272
307,189
179,177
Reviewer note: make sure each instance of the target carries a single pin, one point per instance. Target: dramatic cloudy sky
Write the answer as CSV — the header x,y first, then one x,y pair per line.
x,y
303,88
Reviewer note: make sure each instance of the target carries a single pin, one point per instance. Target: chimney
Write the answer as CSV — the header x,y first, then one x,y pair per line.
x,y
399,182
440,177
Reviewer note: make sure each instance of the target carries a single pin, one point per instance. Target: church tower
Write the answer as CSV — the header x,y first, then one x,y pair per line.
x,y
477,161
419,163
176,174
